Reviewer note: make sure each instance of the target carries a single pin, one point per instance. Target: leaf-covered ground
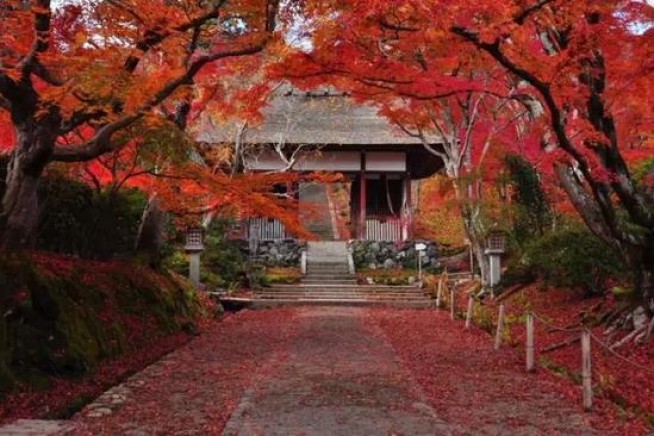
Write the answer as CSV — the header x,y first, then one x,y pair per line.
x,y
282,368
194,389
623,381
481,391
71,328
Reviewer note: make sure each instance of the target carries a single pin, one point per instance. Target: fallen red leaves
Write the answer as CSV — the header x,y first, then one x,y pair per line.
x,y
65,394
199,385
129,298
620,389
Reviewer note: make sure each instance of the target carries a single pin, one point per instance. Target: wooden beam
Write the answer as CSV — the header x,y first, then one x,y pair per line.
x,y
362,198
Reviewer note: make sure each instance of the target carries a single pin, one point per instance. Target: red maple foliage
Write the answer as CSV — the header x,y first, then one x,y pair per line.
x,y
582,69
622,378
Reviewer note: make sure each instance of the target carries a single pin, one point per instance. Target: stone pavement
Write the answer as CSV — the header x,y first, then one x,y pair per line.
x,y
318,371
337,380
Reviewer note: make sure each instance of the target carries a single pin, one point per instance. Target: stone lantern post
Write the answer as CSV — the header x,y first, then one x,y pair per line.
x,y
495,247
194,247
420,249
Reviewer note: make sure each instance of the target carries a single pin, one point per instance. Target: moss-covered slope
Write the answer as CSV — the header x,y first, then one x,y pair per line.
x,y
60,316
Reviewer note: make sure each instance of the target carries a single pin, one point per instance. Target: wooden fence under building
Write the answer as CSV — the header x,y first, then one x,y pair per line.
x,y
265,229
270,229
383,229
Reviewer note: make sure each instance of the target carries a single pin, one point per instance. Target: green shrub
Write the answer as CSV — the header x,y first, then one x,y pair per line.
x,y
570,257
91,224
222,265
532,212
286,276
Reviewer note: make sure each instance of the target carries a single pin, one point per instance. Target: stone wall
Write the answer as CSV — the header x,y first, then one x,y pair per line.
x,y
374,254
283,253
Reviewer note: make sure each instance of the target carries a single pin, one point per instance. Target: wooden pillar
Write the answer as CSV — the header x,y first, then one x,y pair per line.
x,y
362,198
407,219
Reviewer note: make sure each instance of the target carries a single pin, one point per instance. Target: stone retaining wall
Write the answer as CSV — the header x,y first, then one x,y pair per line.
x,y
374,254
283,253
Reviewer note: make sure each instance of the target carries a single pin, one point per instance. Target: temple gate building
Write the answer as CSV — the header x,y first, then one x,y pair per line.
x,y
326,131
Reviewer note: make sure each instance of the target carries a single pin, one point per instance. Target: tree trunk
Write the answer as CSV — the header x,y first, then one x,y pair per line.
x,y
20,208
641,260
20,203
474,234
150,233
36,134
637,249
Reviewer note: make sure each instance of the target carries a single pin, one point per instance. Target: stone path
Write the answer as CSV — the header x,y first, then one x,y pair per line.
x,y
329,371
337,380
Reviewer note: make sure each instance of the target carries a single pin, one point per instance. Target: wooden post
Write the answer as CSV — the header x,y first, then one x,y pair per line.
x,y
471,302
362,199
439,294
452,303
530,342
407,225
500,328
586,371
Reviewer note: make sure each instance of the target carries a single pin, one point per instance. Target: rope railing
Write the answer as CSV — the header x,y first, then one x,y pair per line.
x,y
554,327
620,356
586,337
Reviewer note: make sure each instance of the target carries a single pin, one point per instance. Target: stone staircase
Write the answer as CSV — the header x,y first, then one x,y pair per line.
x,y
317,218
329,282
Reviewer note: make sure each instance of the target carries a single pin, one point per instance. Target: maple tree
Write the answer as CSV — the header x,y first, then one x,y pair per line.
x,y
100,68
472,130
463,123
583,69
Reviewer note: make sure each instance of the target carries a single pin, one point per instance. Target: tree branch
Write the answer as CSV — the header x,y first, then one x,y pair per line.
x,y
101,141
600,191
42,16
525,13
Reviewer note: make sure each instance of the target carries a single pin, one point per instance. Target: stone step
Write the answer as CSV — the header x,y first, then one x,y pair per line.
x,y
328,268
327,263
350,295
334,290
328,272
337,287
311,294
351,282
361,288
263,304
320,229
316,276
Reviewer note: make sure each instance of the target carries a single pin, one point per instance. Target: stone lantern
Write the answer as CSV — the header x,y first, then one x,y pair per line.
x,y
420,248
495,247
194,247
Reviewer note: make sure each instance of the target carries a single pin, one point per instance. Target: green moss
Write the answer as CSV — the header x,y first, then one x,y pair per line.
x,y
64,325
623,293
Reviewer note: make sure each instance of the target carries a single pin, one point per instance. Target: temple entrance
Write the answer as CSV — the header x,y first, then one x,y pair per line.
x,y
375,207
325,210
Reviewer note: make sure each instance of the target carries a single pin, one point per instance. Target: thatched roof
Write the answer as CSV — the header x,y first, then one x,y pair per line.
x,y
320,117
